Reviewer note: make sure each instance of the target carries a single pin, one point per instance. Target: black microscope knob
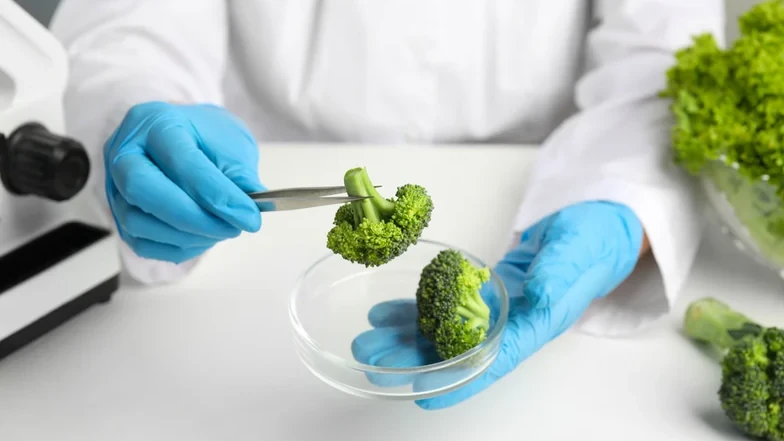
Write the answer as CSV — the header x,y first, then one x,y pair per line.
x,y
35,161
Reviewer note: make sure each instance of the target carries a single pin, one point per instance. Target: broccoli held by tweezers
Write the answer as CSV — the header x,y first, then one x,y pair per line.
x,y
752,387
451,311
376,230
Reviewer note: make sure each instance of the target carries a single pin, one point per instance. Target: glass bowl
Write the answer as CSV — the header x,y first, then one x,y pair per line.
x,y
749,212
355,328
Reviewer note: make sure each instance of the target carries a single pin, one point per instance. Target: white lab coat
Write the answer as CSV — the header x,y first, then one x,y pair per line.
x,y
577,76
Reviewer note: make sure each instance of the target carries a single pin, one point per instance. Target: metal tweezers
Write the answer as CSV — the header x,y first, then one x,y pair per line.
x,y
299,198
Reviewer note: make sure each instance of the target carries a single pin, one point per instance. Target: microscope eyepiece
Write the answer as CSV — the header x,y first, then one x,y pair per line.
x,y
35,161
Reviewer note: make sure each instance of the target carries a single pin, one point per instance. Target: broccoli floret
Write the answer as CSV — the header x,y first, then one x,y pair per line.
x,y
451,311
376,230
752,385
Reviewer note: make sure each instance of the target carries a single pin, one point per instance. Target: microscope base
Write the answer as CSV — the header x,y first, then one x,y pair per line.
x,y
23,337
53,278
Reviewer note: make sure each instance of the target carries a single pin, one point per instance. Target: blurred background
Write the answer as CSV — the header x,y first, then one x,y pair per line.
x,y
40,9
734,9
43,9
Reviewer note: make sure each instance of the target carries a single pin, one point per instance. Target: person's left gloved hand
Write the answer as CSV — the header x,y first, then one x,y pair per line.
x,y
561,265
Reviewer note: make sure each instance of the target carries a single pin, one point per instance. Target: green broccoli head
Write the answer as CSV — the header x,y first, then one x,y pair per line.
x,y
752,385
376,230
451,311
413,209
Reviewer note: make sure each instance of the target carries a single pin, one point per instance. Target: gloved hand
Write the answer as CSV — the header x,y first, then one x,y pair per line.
x,y
177,178
561,265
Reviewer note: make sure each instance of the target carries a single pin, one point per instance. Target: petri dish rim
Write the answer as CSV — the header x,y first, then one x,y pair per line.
x,y
361,367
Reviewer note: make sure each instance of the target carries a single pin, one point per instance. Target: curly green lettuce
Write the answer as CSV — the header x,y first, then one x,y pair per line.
x,y
728,106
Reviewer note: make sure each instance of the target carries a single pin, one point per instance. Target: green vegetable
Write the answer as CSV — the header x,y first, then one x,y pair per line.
x,y
376,230
756,206
728,106
451,311
752,387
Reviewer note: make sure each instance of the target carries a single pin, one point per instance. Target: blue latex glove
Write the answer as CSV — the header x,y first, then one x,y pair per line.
x,y
561,265
177,178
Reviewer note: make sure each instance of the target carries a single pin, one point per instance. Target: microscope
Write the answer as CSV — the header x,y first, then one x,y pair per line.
x,y
58,254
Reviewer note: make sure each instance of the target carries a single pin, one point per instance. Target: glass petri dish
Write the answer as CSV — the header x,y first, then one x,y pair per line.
x,y
355,328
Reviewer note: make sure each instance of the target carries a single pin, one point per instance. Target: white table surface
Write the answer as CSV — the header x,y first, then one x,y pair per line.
x,y
211,358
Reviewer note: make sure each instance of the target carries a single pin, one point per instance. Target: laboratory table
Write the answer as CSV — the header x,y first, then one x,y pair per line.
x,y
210,358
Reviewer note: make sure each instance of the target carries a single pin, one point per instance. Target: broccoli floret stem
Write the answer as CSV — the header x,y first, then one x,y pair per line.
x,y
711,321
375,208
477,314
478,322
478,306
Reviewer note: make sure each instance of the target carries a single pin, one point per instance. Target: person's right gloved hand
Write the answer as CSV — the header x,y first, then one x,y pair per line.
x,y
177,178
561,264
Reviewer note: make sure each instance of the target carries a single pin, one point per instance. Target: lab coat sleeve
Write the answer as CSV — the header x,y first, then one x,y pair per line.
x,y
124,52
616,147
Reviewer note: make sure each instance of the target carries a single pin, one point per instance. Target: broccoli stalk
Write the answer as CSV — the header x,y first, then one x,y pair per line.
x,y
474,311
451,311
711,321
752,386
376,230
375,208
471,307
